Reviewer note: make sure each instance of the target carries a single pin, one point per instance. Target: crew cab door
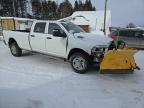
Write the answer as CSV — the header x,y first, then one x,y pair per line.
x,y
38,37
55,45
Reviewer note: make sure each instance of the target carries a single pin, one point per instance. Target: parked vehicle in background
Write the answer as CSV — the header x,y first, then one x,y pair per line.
x,y
60,39
134,37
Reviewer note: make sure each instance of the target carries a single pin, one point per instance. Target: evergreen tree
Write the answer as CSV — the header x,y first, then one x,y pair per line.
x,y
86,5
54,10
1,9
37,9
49,10
81,6
14,8
22,8
7,8
76,6
90,7
65,9
44,10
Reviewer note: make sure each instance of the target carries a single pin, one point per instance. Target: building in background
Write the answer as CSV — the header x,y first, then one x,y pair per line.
x,y
95,19
91,21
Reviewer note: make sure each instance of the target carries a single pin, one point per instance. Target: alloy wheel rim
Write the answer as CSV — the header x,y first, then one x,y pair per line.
x,y
13,49
79,63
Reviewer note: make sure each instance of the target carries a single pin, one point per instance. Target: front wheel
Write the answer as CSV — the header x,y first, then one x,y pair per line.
x,y
79,63
15,50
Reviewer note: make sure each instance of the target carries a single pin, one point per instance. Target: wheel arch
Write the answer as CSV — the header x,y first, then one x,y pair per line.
x,y
76,50
11,40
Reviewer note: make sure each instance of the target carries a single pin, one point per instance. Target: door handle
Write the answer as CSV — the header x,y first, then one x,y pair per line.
x,y
32,35
49,38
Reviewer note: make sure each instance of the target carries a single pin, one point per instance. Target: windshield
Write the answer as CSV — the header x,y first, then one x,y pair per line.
x,y
72,27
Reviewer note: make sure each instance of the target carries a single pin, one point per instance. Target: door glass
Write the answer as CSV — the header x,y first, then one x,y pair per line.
x,y
53,26
124,33
131,34
139,34
40,27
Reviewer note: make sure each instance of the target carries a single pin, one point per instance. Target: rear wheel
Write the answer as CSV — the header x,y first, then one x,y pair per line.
x,y
79,63
15,50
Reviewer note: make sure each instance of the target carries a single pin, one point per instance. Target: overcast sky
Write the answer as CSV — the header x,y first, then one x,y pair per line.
x,y
123,11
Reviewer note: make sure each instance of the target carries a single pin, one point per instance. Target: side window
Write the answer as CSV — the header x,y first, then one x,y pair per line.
x,y
40,27
130,33
124,33
115,33
138,34
53,26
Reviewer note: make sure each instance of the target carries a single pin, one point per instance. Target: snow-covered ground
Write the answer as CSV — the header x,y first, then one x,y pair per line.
x,y
39,81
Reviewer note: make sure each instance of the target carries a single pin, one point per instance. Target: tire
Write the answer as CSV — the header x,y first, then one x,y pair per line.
x,y
79,63
15,50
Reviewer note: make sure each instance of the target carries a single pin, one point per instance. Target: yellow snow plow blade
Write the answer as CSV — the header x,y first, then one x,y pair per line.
x,y
118,62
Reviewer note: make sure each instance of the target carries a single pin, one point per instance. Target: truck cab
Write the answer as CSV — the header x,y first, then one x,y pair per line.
x,y
48,37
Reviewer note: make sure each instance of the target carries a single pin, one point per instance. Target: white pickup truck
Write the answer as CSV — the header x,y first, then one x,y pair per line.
x,y
59,39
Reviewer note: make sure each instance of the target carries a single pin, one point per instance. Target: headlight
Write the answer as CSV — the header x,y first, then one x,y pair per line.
x,y
97,53
97,50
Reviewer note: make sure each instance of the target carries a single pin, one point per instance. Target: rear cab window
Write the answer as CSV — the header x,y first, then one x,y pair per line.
x,y
40,27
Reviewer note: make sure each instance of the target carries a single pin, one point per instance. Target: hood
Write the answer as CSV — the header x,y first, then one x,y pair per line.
x,y
93,39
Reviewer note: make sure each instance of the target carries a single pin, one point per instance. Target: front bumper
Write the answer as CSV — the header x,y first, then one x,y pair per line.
x,y
97,56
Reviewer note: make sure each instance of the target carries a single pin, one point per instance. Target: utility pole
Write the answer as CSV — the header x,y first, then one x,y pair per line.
x,y
105,14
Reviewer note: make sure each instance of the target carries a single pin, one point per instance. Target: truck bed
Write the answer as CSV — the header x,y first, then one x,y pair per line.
x,y
20,36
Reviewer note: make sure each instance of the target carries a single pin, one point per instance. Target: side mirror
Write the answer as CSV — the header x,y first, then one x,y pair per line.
x,y
57,33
